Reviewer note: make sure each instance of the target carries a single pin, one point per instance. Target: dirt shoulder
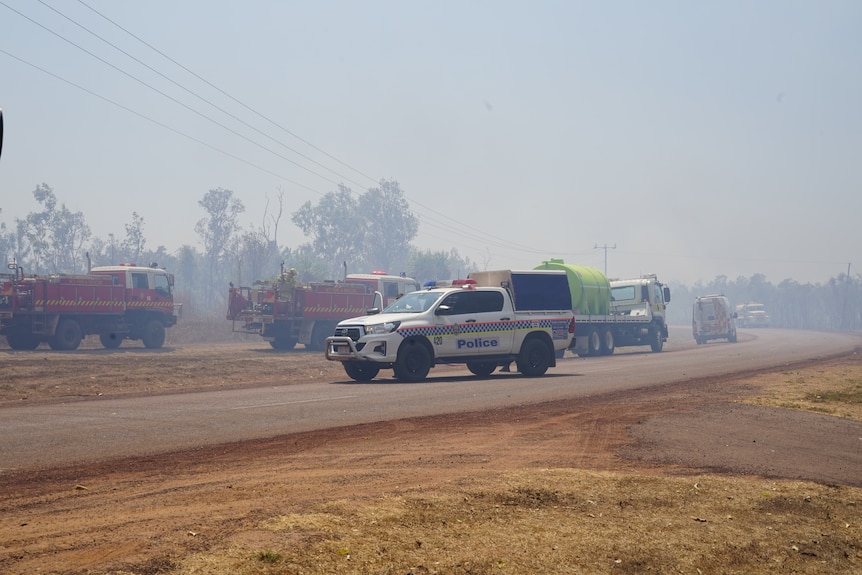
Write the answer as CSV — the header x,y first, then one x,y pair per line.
x,y
132,512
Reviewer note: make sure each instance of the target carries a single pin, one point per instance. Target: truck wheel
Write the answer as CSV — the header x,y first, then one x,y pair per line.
x,y
283,343
360,370
414,361
594,343
23,341
608,344
110,340
154,334
481,368
318,336
67,336
657,340
535,357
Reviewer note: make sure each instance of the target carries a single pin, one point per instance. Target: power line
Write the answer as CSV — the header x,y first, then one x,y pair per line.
x,y
461,229
162,93
431,221
189,91
157,123
208,83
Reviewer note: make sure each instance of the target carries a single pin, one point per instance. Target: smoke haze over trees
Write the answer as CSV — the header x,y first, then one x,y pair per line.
x,y
345,232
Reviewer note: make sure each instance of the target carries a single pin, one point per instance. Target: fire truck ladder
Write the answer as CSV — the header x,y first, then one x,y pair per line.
x,y
39,319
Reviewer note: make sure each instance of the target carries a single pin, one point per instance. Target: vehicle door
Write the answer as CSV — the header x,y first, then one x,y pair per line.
x,y
472,323
139,290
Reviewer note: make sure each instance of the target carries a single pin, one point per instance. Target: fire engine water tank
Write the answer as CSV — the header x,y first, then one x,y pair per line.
x,y
591,289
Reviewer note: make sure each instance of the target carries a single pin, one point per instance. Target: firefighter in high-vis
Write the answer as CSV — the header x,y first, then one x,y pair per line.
x,y
286,282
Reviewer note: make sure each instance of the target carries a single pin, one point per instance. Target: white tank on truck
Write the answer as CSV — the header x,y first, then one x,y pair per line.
x,y
610,314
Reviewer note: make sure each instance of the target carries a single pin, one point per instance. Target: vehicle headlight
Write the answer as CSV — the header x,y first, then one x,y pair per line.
x,y
381,328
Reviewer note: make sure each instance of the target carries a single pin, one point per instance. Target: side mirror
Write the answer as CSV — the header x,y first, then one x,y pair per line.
x,y
1,131
666,295
444,310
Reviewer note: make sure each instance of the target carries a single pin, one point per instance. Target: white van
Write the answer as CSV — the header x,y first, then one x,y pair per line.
x,y
713,317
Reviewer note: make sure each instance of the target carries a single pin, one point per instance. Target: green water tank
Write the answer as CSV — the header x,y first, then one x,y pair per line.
x,y
591,289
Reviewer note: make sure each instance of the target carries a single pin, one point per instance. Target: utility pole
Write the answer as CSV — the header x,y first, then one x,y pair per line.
x,y
844,323
605,247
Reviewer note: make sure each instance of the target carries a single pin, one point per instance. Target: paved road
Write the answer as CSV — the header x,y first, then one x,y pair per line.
x,y
85,431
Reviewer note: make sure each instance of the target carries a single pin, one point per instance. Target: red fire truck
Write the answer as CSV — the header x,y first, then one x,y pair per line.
x,y
113,302
285,313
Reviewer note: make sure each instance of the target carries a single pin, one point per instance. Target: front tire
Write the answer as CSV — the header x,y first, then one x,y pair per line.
x,y
23,341
481,368
67,336
154,334
414,361
535,358
656,340
361,371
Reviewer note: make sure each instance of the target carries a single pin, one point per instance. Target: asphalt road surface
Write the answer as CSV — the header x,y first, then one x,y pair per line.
x,y
54,434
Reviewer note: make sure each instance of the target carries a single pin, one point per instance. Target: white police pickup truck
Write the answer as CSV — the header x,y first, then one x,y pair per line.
x,y
485,322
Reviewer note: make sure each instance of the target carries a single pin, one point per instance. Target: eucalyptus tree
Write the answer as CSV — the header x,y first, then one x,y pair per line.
x,y
52,240
390,226
217,231
336,227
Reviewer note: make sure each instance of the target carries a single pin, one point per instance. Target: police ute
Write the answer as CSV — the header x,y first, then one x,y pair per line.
x,y
503,317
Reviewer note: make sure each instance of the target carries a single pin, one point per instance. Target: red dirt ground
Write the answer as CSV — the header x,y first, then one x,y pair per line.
x,y
104,516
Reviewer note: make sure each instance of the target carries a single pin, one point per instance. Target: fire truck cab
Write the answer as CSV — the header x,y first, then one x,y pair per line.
x,y
136,277
391,287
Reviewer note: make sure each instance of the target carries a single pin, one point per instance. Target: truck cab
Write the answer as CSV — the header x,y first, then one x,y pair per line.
x,y
391,287
147,288
752,314
138,278
640,296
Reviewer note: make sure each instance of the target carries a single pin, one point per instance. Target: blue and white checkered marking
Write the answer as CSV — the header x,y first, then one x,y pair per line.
x,y
559,328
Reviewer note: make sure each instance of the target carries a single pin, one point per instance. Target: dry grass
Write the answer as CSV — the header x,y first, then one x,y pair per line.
x,y
833,390
578,521
567,521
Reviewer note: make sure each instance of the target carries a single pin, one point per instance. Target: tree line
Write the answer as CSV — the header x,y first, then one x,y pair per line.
x,y
835,305
368,231
360,232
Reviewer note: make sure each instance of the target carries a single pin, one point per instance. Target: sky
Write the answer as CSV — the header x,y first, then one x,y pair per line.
x,y
686,139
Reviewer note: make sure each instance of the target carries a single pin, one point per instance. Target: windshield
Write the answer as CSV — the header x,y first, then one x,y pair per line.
x,y
623,293
414,302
